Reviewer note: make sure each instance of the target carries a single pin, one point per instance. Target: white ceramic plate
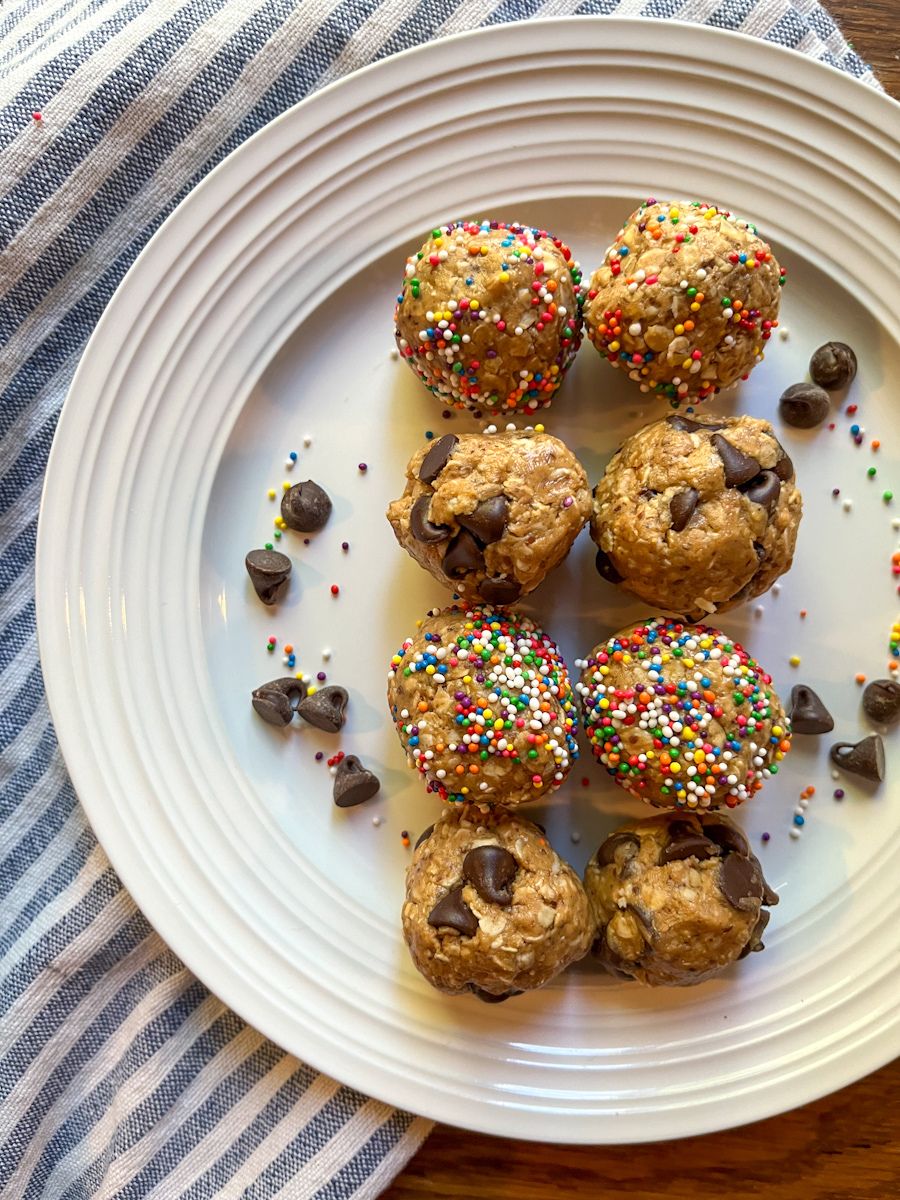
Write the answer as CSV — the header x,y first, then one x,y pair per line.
x,y
260,312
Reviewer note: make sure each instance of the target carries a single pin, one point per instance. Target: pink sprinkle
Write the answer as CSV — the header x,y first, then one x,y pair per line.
x,y
568,502
363,467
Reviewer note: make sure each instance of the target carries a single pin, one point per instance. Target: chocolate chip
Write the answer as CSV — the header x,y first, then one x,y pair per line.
x,y
490,870
353,783
784,468
277,700
804,405
618,848
693,845
423,836
730,839
325,709
682,506
881,700
760,551
764,489
741,881
462,556
500,591
865,758
755,941
422,529
686,425
269,572
488,521
305,507
739,467
833,365
453,912
437,457
493,997
807,712
605,568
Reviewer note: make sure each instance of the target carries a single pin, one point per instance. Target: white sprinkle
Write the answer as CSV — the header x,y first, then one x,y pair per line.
x,y
575,836
326,653
795,832
847,505
895,524
776,588
835,775
635,329
307,439
511,428
376,821
784,334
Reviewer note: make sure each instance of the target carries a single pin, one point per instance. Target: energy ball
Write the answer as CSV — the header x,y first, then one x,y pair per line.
x,y
483,707
489,315
697,514
675,900
681,716
685,300
490,908
490,515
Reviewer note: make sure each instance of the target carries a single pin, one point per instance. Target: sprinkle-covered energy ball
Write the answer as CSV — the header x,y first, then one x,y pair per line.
x,y
681,716
697,514
490,515
676,899
685,300
489,315
490,908
483,706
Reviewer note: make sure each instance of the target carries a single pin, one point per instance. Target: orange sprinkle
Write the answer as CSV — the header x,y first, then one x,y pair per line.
x,y
875,443
423,706
860,679
289,649
802,612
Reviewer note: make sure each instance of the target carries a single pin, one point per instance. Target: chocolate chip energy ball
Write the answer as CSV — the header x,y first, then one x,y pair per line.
x,y
490,515
483,707
675,900
681,716
685,300
697,514
489,315
490,908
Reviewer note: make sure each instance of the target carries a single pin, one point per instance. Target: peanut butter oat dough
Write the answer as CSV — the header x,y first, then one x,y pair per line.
x,y
490,515
697,514
681,716
685,300
482,704
676,899
490,908
489,315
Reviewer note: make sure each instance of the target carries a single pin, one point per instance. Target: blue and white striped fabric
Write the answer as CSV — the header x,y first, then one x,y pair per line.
x,y
120,1075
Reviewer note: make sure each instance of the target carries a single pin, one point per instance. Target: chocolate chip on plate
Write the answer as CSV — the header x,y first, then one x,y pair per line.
x,y
270,573
488,521
865,758
833,365
462,555
807,712
422,527
493,997
881,700
305,507
500,591
490,870
804,405
741,881
326,709
277,700
739,467
437,457
453,912
618,848
606,568
353,783
682,506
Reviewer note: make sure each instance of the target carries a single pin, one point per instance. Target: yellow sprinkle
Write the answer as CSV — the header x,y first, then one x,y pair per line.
x,y
794,660
286,485
695,307
686,363
679,329
614,346
538,429
484,249
777,730
603,703
271,493
429,670
312,690
473,304
751,262
675,768
504,276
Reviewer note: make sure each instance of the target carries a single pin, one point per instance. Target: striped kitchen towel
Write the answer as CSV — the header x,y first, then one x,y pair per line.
x,y
120,1075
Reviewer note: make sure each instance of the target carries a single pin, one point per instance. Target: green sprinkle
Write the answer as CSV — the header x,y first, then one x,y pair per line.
x,y
887,496
692,291
269,546
872,472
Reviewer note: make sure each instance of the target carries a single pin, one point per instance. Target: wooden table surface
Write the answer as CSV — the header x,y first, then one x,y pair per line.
x,y
846,1147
